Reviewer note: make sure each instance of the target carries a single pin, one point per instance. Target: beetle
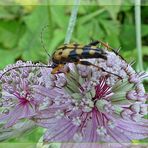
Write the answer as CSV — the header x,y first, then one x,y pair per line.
x,y
74,53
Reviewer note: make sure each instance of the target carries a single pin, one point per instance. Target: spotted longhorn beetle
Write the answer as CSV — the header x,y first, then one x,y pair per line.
x,y
75,53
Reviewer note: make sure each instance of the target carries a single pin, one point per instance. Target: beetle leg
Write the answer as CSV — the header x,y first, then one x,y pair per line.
x,y
91,64
105,45
56,69
94,43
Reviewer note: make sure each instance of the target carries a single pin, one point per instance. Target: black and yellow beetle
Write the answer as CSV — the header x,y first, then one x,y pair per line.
x,y
74,53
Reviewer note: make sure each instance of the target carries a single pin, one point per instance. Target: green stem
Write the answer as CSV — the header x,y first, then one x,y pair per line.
x,y
72,22
138,33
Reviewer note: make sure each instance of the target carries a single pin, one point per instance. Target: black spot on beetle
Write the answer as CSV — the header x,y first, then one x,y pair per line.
x,y
60,53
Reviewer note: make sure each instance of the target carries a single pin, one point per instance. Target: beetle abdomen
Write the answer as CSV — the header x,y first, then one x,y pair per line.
x,y
88,52
74,53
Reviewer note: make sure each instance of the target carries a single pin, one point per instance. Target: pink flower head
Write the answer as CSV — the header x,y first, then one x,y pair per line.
x,y
85,105
96,106
20,93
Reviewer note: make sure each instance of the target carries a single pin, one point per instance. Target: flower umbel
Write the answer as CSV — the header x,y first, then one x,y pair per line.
x,y
95,106
85,105
20,96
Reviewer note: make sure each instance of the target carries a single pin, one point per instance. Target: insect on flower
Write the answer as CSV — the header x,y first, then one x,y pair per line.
x,y
75,53
86,105
72,53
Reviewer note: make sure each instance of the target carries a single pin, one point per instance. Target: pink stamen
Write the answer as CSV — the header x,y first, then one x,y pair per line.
x,y
102,89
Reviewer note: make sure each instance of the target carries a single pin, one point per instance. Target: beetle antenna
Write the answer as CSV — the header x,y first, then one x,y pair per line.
x,y
42,42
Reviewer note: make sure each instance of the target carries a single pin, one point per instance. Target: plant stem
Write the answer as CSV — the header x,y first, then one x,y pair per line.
x,y
138,33
72,22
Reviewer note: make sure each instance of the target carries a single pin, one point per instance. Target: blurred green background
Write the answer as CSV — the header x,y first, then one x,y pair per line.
x,y
21,25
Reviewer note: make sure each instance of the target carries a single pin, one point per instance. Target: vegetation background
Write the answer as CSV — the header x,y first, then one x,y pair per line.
x,y
22,22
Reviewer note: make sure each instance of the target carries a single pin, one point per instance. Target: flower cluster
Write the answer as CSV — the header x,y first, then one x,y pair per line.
x,y
84,105
21,93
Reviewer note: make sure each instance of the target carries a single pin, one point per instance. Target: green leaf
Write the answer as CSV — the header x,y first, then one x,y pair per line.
x,y
57,40
87,18
113,41
128,54
127,37
4,14
145,50
82,33
91,30
11,31
37,19
144,30
8,57
112,6
30,43
31,47
59,16
126,5
111,30
110,26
